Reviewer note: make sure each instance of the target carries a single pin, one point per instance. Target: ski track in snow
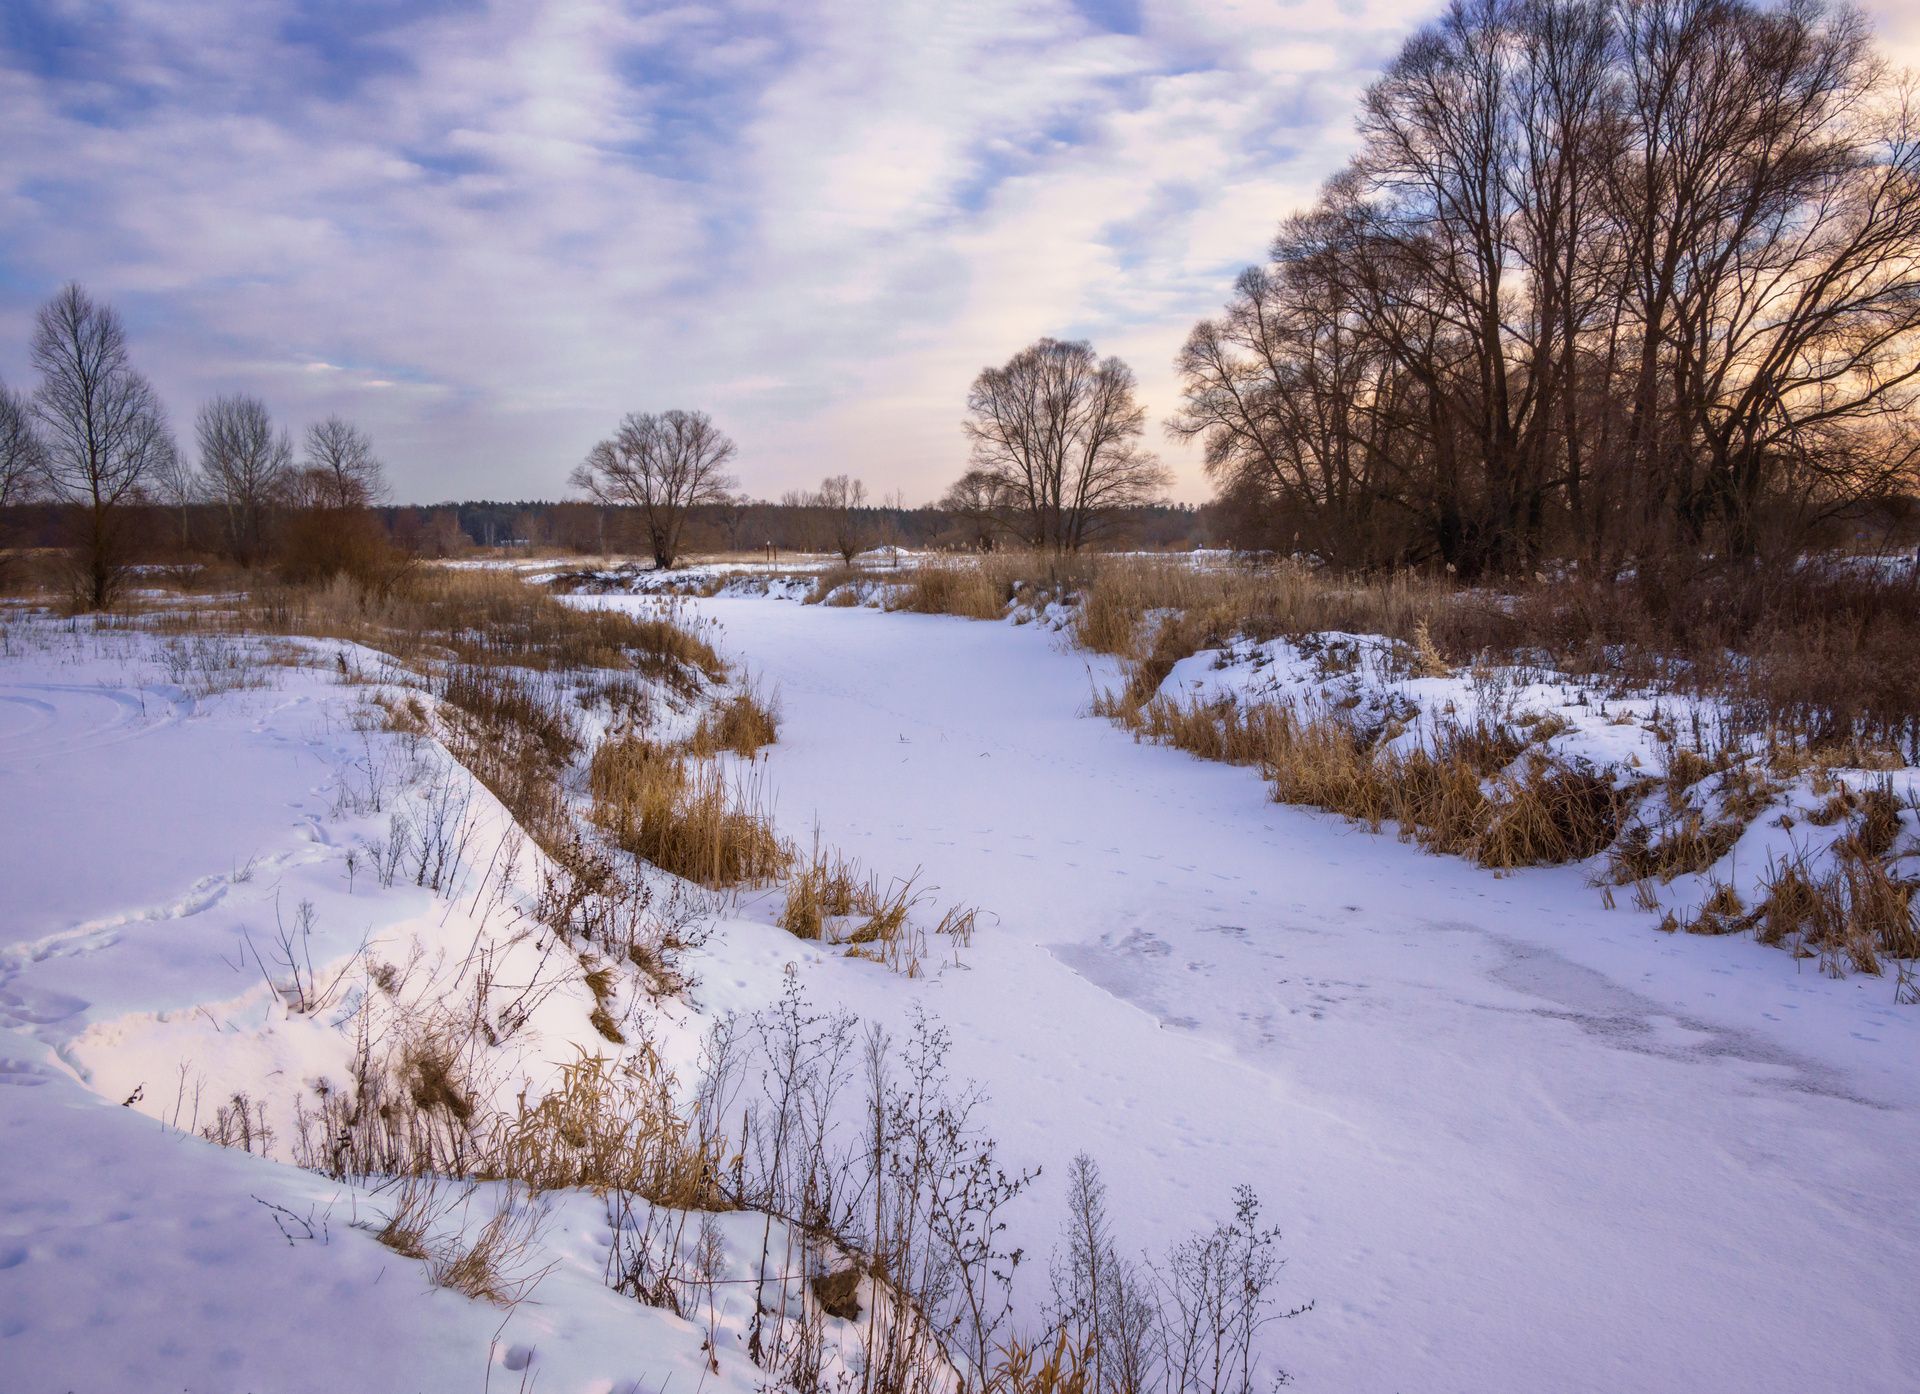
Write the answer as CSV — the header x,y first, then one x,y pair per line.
x,y
1515,1140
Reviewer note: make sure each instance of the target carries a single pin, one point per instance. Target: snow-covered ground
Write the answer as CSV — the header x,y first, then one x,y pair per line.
x,y
154,843
1515,1141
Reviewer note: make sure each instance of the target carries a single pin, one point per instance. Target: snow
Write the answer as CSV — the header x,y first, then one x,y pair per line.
x,y
1516,1141
1626,733
155,840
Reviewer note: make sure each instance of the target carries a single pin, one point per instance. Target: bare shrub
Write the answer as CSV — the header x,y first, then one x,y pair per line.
x,y
1219,1297
241,1122
409,1103
205,665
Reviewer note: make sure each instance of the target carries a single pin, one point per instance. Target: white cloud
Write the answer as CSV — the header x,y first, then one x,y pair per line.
x,y
488,232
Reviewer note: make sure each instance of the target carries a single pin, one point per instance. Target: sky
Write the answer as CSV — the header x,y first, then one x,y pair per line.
x,y
486,231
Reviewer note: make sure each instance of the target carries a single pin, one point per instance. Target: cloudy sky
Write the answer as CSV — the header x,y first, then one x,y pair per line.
x,y
486,230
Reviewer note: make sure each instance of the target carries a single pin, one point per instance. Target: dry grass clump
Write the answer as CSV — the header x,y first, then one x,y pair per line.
x,y
827,887
513,730
742,724
1722,912
838,585
1850,912
409,1225
1552,813
983,588
492,1266
514,704
1065,1369
685,818
1876,826
600,983
1681,846
611,1128
1225,730
968,590
831,899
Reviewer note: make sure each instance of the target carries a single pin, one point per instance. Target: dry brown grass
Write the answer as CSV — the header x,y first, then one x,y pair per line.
x,y
1065,1369
687,818
1459,791
495,1264
830,899
1850,912
1684,845
408,1226
742,724
837,585
1810,655
1722,912
827,887
611,1128
968,590
483,618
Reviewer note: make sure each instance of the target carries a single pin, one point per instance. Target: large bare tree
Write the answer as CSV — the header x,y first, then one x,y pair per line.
x,y
340,470
983,502
246,470
103,428
1608,277
1057,429
842,501
661,464
22,461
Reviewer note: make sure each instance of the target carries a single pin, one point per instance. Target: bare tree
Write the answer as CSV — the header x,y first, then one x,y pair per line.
x,y
247,470
732,513
22,460
1219,1298
841,502
985,504
176,485
801,526
662,464
1628,275
103,427
340,470
1057,431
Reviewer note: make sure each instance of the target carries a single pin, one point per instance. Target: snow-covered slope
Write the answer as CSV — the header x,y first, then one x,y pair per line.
x,y
157,845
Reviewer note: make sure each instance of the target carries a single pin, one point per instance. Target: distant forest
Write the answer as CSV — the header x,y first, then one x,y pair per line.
x,y
584,528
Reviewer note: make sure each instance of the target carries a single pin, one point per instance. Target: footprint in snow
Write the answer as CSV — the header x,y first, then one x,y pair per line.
x,y
27,1075
31,1007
